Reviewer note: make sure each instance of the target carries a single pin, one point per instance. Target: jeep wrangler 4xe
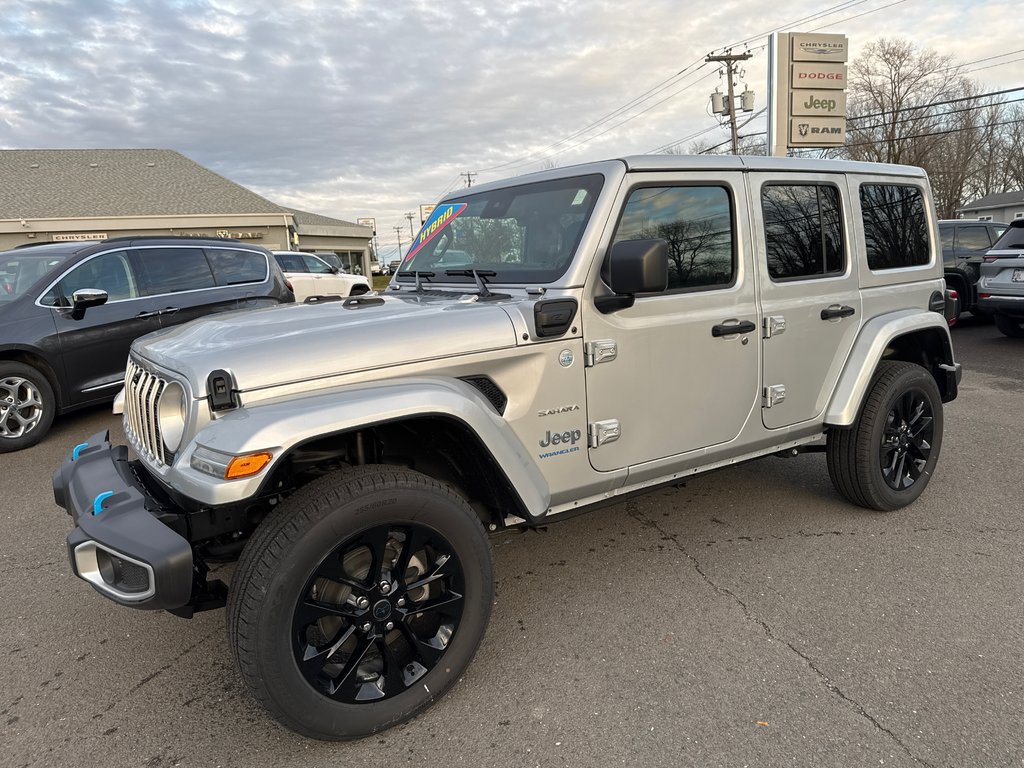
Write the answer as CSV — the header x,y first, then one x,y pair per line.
x,y
557,342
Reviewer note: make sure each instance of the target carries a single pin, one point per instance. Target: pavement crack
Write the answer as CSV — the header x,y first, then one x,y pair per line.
x,y
828,682
152,676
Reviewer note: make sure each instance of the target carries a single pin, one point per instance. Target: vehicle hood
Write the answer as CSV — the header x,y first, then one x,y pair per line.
x,y
302,342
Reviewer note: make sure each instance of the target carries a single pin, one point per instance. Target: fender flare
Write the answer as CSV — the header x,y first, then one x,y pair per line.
x,y
279,426
868,350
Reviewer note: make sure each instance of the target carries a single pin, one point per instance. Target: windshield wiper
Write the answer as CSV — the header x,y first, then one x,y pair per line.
x,y
480,276
417,274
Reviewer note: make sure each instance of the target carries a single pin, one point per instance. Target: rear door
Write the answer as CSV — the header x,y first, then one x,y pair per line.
x,y
809,291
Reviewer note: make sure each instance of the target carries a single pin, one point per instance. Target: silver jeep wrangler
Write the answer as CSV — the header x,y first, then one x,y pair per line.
x,y
551,343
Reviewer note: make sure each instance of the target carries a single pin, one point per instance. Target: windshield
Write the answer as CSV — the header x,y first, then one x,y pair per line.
x,y
1013,237
21,269
523,234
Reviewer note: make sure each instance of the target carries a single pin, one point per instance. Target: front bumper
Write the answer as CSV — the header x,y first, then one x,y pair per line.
x,y
118,545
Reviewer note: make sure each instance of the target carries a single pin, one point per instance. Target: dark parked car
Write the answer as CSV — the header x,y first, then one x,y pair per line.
x,y
964,244
70,311
1001,290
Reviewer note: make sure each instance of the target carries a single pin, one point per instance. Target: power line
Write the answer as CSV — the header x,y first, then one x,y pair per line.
x,y
857,16
932,116
939,103
935,133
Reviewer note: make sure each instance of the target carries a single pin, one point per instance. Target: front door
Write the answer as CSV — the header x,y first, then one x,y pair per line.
x,y
677,371
809,296
95,347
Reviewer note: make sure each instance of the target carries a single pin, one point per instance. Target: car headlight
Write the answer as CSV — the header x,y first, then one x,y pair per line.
x,y
171,416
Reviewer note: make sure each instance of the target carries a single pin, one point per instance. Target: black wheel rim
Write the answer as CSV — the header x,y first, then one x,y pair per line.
x,y
378,613
906,440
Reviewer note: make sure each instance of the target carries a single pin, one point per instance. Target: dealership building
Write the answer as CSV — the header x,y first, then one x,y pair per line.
x,y
54,195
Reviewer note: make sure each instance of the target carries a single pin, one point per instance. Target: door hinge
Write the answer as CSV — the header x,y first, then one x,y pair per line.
x,y
601,351
601,432
774,325
774,394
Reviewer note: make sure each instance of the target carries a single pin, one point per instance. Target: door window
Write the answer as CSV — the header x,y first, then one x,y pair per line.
x,y
972,238
316,265
173,270
231,267
291,262
803,231
697,224
111,272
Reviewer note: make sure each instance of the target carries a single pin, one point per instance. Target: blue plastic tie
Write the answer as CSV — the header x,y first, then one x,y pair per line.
x,y
97,504
78,450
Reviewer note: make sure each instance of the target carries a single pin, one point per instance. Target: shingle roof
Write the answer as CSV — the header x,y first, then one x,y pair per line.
x,y
71,183
997,200
305,217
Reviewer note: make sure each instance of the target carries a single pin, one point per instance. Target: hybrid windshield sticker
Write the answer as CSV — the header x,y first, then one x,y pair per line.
x,y
442,216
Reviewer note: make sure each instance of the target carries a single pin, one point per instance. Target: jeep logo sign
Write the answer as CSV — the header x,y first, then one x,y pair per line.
x,y
820,103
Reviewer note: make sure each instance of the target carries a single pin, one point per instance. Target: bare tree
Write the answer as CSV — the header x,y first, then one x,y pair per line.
x,y
915,106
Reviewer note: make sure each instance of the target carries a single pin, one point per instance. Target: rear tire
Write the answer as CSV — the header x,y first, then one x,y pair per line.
x,y
359,601
1010,326
27,406
885,460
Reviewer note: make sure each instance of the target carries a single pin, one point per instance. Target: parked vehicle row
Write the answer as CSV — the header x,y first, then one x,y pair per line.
x,y
964,245
310,274
70,311
1001,289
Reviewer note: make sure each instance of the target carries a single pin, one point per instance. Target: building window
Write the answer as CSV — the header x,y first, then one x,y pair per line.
x,y
1019,215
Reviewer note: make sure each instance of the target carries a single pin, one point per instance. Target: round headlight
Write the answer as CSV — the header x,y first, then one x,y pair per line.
x,y
171,416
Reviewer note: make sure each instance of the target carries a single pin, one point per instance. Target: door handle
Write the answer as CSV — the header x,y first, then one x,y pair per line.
x,y
830,313
168,310
154,313
724,329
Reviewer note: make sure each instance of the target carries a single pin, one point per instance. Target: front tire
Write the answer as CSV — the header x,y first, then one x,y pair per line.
x,y
885,460
27,406
360,601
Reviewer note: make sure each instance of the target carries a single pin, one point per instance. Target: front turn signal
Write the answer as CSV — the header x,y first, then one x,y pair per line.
x,y
246,466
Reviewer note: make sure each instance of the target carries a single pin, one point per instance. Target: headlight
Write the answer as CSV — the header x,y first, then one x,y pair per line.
x,y
171,416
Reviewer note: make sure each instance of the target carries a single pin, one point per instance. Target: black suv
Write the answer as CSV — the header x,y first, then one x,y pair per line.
x,y
964,244
70,311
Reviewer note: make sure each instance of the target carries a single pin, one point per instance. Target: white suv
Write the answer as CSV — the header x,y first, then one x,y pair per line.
x,y
311,276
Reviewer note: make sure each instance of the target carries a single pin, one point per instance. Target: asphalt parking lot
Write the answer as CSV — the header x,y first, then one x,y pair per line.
x,y
748,617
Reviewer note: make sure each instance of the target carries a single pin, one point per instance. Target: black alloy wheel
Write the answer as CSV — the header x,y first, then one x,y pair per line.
x,y
378,613
906,440
360,600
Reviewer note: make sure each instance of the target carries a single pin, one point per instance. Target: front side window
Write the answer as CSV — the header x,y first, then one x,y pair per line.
x,y
316,265
895,226
523,234
111,272
803,231
231,267
697,224
290,262
173,270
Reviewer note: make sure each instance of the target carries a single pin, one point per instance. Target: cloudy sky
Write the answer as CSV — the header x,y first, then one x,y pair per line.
x,y
353,108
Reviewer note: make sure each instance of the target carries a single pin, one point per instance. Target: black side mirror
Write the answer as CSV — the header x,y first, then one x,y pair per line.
x,y
84,298
633,266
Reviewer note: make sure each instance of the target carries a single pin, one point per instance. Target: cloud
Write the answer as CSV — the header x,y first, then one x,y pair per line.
x,y
353,108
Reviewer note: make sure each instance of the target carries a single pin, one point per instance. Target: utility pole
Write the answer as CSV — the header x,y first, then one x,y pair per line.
x,y
398,231
469,178
411,233
730,59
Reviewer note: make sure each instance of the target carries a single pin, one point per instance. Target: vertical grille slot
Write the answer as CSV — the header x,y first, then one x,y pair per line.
x,y
142,399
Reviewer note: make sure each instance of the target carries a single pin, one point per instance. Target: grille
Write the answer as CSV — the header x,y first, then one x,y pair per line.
x,y
142,391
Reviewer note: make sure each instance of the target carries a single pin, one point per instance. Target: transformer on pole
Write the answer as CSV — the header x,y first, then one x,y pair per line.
x,y
729,108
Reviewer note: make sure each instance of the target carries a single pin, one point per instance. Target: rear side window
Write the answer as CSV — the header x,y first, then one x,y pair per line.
x,y
803,231
697,224
173,270
231,267
895,227
972,238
